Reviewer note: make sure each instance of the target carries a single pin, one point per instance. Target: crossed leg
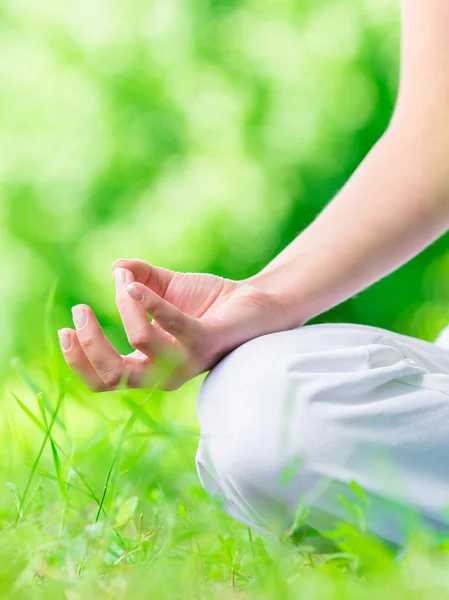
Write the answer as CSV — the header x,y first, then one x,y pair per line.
x,y
292,418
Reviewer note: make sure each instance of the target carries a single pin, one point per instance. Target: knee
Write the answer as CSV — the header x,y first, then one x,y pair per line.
x,y
234,406
255,428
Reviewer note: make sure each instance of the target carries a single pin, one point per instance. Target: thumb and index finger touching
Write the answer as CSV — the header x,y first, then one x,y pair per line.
x,y
148,289
156,278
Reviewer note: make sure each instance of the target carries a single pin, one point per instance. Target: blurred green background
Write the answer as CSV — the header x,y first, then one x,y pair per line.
x,y
200,135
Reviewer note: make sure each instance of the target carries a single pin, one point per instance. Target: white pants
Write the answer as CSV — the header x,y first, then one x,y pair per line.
x,y
291,418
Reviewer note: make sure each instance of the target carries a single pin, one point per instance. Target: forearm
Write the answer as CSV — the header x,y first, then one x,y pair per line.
x,y
396,204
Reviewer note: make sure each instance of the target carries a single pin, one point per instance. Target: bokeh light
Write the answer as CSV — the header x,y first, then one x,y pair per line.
x,y
198,137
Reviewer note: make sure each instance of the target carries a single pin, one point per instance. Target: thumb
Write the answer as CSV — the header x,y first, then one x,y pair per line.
x,y
155,278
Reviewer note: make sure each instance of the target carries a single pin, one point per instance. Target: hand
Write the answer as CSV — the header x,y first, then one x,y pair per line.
x,y
197,319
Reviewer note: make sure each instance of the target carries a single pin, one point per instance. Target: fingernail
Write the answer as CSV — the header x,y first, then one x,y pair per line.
x,y
79,316
135,293
120,278
64,340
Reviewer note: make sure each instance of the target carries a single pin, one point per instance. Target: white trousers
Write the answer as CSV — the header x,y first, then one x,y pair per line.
x,y
291,419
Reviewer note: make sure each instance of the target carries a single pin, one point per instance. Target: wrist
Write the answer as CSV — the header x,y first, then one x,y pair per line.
x,y
275,284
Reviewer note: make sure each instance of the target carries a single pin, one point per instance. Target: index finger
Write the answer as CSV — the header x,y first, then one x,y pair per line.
x,y
142,335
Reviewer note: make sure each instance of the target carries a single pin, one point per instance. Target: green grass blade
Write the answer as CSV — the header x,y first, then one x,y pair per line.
x,y
34,387
109,484
50,335
58,468
15,492
40,403
29,414
89,491
37,459
57,463
141,414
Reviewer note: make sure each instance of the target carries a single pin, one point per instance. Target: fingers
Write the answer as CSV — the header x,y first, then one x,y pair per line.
x,y
78,361
142,371
183,327
137,365
142,335
156,278
98,350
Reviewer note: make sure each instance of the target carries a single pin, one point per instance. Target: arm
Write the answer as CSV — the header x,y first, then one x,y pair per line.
x,y
396,203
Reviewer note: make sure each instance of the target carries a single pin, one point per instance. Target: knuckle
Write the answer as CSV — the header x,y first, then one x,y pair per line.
x,y
138,340
175,325
88,341
72,361
197,344
97,388
172,386
112,378
120,301
151,307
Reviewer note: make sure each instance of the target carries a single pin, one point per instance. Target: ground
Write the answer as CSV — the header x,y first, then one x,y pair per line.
x,y
100,499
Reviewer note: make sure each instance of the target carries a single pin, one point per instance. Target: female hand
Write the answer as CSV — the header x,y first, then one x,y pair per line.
x,y
197,319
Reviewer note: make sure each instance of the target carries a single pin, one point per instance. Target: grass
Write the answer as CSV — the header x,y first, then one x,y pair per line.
x,y
99,498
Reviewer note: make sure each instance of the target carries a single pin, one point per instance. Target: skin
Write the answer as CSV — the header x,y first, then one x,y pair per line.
x,y
395,204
